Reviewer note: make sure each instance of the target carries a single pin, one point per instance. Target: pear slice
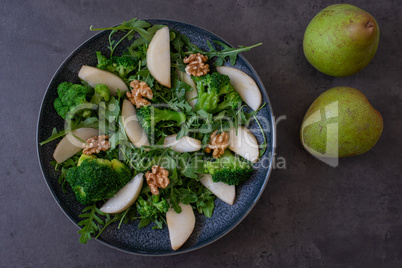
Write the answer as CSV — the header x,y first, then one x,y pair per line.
x,y
184,145
244,85
70,145
134,131
125,197
94,76
244,143
223,191
180,225
158,56
190,95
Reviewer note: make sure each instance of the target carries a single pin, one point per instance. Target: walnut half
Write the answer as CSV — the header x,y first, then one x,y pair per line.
x,y
159,177
139,90
196,64
96,144
218,143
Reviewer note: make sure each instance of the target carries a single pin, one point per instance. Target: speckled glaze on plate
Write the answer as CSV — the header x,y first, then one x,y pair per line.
x,y
147,241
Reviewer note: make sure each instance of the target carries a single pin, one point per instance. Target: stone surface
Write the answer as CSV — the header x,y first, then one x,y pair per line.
x,y
310,215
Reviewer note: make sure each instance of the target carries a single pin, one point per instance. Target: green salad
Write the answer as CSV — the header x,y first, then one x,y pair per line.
x,y
156,131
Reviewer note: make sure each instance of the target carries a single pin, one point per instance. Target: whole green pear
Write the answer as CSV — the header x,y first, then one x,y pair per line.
x,y
341,40
340,122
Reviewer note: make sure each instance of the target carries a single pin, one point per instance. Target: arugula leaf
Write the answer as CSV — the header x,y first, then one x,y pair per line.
x,y
178,42
174,200
205,201
187,196
221,55
112,110
144,222
207,207
195,193
158,223
193,167
144,75
264,145
91,122
131,27
178,54
227,51
91,223
125,216
114,140
179,89
94,225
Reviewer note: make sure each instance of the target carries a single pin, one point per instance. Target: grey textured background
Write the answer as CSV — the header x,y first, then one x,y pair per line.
x,y
310,214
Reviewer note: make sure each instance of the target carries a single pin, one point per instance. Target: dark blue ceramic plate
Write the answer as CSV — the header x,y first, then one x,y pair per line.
x,y
147,241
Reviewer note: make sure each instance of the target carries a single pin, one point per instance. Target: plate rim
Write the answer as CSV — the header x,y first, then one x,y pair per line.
x,y
237,221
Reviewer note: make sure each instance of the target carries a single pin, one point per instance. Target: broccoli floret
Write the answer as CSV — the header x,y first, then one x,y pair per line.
x,y
95,179
149,116
162,205
70,96
84,157
231,100
215,93
121,170
221,82
102,93
229,169
121,66
153,207
103,62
